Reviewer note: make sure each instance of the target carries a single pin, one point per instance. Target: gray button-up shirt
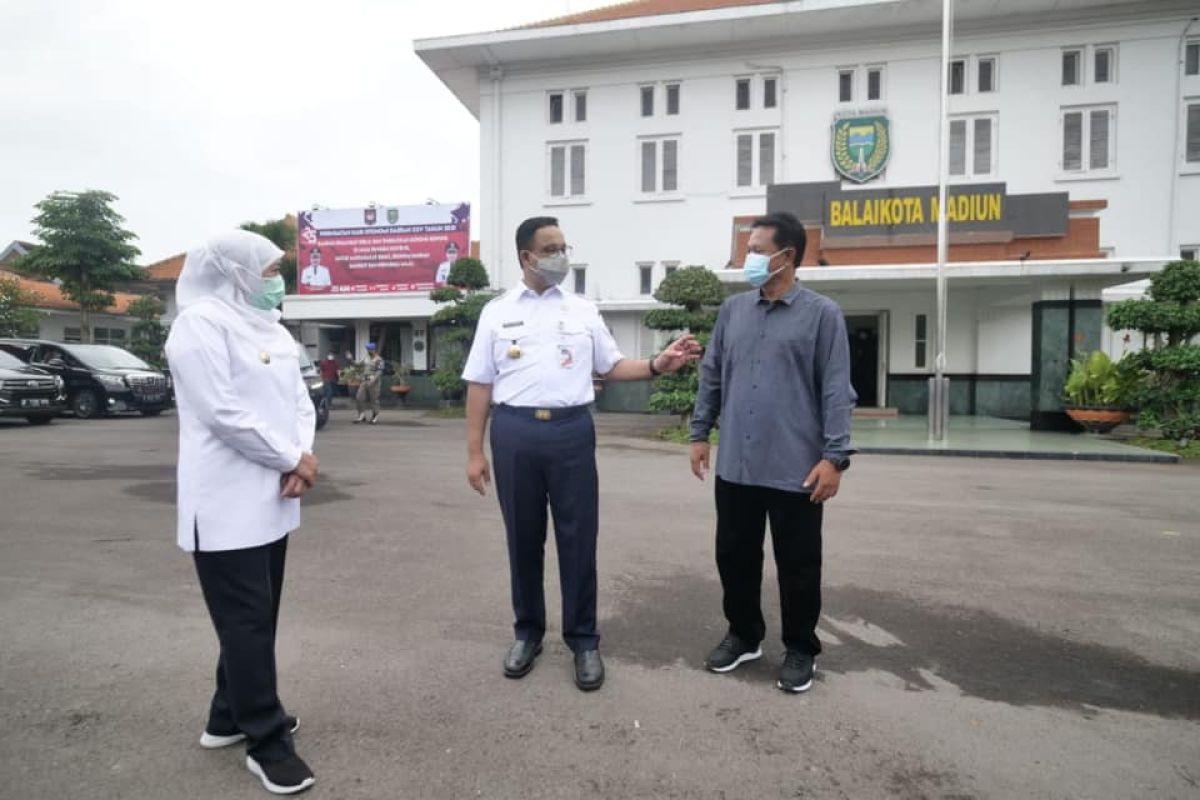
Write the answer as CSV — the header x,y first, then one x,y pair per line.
x,y
777,375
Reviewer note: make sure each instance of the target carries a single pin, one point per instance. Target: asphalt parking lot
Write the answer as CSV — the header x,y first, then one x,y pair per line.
x,y
993,629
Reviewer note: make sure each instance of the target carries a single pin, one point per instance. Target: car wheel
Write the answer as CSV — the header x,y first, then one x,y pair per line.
x,y
86,405
151,412
43,420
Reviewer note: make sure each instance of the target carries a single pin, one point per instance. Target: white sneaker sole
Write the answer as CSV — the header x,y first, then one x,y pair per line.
x,y
794,689
257,771
210,742
742,659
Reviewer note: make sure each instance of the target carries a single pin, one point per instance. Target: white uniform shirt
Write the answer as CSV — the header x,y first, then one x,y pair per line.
x,y
540,350
245,418
443,272
315,276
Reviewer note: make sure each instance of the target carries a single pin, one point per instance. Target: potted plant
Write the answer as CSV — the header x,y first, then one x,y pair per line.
x,y
400,385
351,377
1097,391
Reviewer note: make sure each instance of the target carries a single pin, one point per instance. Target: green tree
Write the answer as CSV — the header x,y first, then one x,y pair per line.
x,y
282,232
462,300
149,335
1167,396
17,315
695,292
85,249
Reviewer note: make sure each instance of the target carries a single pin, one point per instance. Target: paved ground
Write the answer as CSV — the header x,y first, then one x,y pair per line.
x,y
994,629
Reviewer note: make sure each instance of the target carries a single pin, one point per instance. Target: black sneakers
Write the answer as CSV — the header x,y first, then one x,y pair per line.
x,y
287,776
215,741
796,676
730,654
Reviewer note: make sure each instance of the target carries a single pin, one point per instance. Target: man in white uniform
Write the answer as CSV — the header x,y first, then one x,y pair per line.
x,y
315,275
530,368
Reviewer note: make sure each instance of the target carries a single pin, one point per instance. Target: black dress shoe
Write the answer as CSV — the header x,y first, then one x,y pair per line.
x,y
589,670
520,658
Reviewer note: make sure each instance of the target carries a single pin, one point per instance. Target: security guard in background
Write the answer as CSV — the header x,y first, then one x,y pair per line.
x,y
530,367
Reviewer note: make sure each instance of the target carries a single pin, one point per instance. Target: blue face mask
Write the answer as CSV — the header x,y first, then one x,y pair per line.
x,y
271,295
757,268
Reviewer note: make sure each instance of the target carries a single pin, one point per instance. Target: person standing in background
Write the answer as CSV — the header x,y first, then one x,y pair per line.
x,y
368,391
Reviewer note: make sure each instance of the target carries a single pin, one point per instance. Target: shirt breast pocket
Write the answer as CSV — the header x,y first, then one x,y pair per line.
x,y
512,346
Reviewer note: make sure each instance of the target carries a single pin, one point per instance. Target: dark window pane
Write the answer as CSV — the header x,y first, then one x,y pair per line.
x,y
766,159
1073,141
1102,73
769,87
922,321
921,339
958,147
647,101
670,170
745,160
581,106
577,166
556,108
1187,254
1193,59
983,147
987,74
580,280
649,165
1070,68
743,94
670,268
558,171
958,77
846,86
673,99
874,84
1098,153
1193,134
646,277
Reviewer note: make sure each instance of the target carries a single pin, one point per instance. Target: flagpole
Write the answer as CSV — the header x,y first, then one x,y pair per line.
x,y
939,389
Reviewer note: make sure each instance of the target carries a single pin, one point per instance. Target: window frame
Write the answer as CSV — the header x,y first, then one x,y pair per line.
x,y
964,63
969,163
562,107
645,278
576,95
659,165
882,97
852,73
756,173
1080,53
646,91
1112,51
995,62
1086,170
774,95
1194,249
676,86
1190,164
578,278
1191,54
738,83
921,341
568,195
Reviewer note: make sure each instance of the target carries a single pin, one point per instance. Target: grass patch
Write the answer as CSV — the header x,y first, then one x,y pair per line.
x,y
453,412
1192,450
681,434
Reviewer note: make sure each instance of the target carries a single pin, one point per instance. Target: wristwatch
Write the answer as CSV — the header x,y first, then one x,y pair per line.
x,y
841,463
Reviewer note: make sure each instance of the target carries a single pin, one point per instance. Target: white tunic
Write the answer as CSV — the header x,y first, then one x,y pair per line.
x,y
245,418
541,350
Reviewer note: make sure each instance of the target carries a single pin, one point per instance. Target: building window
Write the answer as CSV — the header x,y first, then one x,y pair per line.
x,y
875,83
922,340
556,108
986,77
742,100
1104,63
568,162
1191,60
1089,136
72,335
580,274
647,96
1071,72
1189,252
581,106
660,165
846,86
770,91
755,157
669,268
672,99
973,146
646,278
958,76
1192,137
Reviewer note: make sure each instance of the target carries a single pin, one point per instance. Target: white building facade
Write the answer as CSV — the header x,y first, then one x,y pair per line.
x,y
655,137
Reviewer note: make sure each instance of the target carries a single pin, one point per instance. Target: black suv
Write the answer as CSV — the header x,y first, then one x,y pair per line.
x,y
99,379
29,392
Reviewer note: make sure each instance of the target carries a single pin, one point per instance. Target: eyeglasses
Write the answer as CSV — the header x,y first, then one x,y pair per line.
x,y
566,250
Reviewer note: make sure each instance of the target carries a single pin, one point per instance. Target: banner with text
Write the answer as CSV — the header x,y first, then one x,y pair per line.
x,y
381,248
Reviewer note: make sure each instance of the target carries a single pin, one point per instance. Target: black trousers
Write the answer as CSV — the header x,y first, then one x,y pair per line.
x,y
242,589
549,461
742,514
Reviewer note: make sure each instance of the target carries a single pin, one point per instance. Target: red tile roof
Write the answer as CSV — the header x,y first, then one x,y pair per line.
x,y
49,297
168,269
643,8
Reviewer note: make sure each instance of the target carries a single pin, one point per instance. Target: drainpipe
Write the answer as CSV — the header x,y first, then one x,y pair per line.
x,y
1178,101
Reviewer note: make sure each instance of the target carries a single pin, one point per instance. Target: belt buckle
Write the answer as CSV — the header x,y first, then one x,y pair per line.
x,y
542,414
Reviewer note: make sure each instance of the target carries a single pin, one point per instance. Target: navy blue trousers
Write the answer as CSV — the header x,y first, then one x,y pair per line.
x,y
539,463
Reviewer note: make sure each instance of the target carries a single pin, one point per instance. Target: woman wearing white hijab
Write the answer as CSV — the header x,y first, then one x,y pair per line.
x,y
246,428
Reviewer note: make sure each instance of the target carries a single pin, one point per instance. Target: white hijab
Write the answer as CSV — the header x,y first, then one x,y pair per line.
x,y
228,270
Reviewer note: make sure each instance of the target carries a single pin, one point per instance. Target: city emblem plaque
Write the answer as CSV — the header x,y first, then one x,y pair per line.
x,y
861,147
393,216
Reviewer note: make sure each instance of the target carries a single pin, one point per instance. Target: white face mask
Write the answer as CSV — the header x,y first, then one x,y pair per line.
x,y
552,269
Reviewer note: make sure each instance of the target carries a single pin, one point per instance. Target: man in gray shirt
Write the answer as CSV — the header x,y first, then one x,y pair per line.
x,y
777,376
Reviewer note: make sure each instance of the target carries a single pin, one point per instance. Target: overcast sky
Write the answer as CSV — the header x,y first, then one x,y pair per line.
x,y
203,115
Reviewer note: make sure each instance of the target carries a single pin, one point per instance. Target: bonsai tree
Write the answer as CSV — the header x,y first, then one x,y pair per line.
x,y
149,335
1167,395
462,300
695,292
